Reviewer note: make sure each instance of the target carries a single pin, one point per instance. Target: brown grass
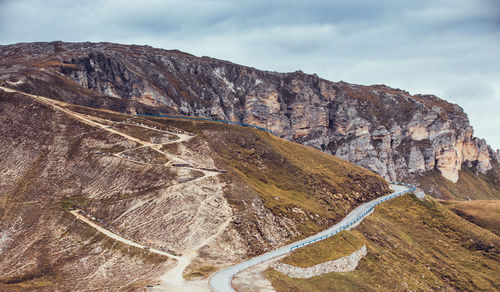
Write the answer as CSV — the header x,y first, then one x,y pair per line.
x,y
484,213
342,244
54,63
288,175
200,272
413,245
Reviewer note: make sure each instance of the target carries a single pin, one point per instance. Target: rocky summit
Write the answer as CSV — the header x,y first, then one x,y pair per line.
x,y
389,131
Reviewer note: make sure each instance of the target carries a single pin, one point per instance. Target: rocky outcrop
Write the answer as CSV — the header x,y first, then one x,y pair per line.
x,y
386,130
343,264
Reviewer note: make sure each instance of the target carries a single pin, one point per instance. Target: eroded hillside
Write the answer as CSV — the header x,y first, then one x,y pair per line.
x,y
208,193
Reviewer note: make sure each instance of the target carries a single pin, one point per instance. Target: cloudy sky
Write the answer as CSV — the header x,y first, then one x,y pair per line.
x,y
447,48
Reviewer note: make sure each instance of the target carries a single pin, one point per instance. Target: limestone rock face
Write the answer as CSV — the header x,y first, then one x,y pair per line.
x,y
386,130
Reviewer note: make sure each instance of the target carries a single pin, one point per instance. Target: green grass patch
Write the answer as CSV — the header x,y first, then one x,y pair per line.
x,y
413,245
342,244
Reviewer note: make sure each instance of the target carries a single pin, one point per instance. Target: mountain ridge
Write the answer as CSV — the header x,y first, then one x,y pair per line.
x,y
403,136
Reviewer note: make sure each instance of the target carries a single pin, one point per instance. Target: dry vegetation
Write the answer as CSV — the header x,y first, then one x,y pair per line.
x,y
342,244
484,213
469,185
413,245
287,176
54,63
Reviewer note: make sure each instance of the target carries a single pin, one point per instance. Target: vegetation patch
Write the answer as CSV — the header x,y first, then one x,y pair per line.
x,y
342,244
200,272
484,213
413,245
75,202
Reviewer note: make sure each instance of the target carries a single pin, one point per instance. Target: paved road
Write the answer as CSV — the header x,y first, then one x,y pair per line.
x,y
221,281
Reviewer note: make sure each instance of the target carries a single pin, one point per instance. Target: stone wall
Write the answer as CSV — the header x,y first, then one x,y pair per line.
x,y
343,264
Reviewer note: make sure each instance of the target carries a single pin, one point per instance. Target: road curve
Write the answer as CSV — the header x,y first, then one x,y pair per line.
x,y
221,281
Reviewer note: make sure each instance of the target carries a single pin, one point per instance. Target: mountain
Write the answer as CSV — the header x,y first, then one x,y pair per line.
x,y
96,197
209,193
418,138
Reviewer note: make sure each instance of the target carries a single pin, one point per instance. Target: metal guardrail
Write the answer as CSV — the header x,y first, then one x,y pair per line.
x,y
345,226
366,212
209,120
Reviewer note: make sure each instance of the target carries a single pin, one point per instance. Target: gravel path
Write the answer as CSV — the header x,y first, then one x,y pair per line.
x,y
119,238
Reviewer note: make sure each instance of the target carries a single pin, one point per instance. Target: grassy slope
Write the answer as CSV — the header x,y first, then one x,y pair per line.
x,y
484,213
332,248
311,188
417,245
286,175
469,185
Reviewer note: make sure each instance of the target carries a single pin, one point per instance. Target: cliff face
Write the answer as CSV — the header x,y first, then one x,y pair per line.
x,y
386,130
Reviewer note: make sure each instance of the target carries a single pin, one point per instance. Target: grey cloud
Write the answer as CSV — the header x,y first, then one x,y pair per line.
x,y
449,48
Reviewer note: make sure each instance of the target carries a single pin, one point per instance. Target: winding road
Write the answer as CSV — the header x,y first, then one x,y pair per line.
x,y
221,281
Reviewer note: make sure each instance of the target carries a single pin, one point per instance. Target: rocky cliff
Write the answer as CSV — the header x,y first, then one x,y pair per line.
x,y
389,131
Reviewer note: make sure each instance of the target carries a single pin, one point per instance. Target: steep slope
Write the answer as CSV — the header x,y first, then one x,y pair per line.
x,y
402,136
471,185
208,192
46,157
412,245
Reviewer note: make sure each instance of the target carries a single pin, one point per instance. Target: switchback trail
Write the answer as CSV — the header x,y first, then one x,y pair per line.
x,y
173,279
93,121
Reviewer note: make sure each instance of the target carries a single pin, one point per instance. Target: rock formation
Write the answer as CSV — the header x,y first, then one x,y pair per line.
x,y
386,130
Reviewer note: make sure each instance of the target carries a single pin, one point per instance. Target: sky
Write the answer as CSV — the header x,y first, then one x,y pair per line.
x,y
447,48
